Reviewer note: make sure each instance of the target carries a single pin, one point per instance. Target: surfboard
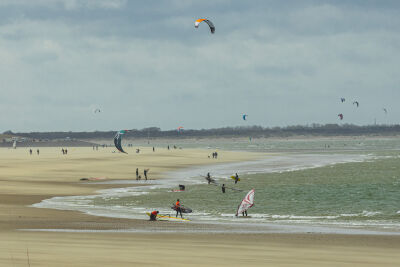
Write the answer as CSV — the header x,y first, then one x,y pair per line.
x,y
167,217
234,178
176,190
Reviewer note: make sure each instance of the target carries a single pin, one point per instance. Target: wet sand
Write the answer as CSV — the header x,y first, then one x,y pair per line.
x,y
25,180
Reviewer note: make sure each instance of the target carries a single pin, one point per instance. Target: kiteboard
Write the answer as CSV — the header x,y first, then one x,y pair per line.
x,y
167,217
176,190
183,209
234,178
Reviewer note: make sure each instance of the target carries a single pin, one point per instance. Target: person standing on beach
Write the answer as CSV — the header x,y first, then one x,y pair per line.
x,y
37,151
223,188
154,149
178,208
30,151
137,173
145,173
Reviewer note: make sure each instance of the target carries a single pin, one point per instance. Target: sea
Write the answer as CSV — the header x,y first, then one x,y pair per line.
x,y
346,184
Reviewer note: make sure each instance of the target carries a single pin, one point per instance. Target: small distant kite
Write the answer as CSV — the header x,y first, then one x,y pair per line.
x,y
342,99
244,116
340,116
356,103
385,110
179,129
210,24
97,110
118,139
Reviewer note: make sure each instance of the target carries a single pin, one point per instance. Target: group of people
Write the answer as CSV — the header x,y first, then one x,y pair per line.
x,y
215,155
31,151
139,177
177,207
64,151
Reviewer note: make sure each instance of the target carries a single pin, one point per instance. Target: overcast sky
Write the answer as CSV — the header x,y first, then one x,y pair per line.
x,y
143,64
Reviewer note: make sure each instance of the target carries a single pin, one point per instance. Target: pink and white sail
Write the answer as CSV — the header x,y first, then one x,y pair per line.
x,y
247,202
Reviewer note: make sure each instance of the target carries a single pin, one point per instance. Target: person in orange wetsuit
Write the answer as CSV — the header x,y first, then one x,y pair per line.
x,y
178,208
153,215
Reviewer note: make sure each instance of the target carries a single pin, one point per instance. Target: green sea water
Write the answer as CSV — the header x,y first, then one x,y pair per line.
x,y
356,194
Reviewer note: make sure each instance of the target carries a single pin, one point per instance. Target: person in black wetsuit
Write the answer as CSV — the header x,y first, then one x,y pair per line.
x,y
236,178
208,177
223,188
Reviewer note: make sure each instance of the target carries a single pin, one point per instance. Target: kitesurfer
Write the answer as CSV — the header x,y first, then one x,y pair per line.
x,y
236,178
178,208
223,188
208,178
153,215
182,187
244,213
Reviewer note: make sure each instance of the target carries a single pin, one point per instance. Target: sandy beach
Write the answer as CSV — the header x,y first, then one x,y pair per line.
x,y
27,179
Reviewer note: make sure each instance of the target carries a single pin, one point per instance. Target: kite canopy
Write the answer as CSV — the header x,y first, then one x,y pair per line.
x,y
210,24
385,110
180,128
356,103
244,116
340,116
118,139
342,99
247,202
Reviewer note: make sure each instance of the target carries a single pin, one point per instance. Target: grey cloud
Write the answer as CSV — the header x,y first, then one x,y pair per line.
x,y
144,64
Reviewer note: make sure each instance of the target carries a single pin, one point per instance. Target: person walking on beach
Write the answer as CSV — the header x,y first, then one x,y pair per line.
x,y
236,178
66,151
153,215
223,188
137,173
145,173
178,208
37,151
62,151
30,151
154,150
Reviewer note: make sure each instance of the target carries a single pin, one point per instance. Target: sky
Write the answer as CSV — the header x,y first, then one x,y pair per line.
x,y
144,64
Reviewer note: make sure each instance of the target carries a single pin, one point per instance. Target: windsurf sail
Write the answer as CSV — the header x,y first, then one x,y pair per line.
x,y
247,202
118,139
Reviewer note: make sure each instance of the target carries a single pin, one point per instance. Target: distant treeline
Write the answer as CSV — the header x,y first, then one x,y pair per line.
x,y
249,131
